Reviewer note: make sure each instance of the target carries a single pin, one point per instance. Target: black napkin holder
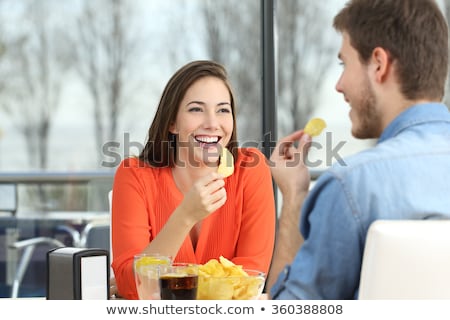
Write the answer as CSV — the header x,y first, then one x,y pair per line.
x,y
77,274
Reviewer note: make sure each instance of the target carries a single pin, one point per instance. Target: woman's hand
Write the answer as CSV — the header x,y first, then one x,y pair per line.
x,y
205,196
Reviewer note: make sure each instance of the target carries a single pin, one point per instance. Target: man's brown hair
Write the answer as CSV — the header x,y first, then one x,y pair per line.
x,y
413,32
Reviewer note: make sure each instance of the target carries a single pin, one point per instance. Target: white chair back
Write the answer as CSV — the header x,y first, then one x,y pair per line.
x,y
406,259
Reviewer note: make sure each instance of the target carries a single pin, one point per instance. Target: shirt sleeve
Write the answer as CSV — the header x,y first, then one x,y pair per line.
x,y
257,235
129,221
328,264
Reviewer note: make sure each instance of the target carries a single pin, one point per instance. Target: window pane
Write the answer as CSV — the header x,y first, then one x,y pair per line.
x,y
308,69
80,81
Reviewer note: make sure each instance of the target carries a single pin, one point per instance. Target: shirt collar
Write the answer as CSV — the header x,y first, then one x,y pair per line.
x,y
417,114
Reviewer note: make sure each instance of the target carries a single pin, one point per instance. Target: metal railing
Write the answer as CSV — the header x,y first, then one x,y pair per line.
x,y
90,188
99,178
95,180
48,177
99,183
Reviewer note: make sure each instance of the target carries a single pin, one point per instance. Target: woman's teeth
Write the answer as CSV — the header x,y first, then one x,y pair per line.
x,y
207,139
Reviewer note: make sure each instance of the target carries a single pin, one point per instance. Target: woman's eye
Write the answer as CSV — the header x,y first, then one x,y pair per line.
x,y
224,110
195,109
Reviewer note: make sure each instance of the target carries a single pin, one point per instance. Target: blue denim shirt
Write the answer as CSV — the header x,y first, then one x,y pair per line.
x,y
405,176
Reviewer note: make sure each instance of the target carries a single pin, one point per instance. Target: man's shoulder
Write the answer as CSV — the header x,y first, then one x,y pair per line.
x,y
356,161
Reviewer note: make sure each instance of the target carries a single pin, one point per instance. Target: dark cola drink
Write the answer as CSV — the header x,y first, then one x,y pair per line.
x,y
178,287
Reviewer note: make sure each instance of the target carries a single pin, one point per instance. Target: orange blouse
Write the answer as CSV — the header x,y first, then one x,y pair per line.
x,y
242,230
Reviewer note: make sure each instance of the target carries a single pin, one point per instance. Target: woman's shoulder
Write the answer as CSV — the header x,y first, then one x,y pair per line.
x,y
134,169
136,166
134,163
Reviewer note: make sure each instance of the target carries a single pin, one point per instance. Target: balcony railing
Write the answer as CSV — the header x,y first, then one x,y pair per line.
x,y
36,205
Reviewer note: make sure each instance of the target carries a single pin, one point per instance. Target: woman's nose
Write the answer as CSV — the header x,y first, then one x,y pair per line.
x,y
211,120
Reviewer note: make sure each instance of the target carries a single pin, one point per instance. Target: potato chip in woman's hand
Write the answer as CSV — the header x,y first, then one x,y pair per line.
x,y
226,166
315,126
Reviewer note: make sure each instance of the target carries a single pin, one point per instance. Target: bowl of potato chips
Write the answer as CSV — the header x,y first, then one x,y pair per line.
x,y
223,280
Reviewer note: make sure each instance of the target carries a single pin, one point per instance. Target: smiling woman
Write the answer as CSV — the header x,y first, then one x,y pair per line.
x,y
204,122
171,200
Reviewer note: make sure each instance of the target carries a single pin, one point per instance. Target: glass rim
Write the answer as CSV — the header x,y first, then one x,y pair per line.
x,y
152,255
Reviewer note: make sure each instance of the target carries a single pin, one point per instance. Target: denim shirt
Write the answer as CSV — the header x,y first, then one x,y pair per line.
x,y
405,176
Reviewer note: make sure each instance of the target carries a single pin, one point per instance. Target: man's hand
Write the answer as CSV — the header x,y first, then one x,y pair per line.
x,y
287,164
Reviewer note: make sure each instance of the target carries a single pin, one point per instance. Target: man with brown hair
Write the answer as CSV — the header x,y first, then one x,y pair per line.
x,y
394,55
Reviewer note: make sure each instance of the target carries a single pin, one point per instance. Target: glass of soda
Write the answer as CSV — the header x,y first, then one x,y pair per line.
x,y
178,281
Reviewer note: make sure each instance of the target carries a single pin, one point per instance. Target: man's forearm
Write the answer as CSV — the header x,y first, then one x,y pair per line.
x,y
288,238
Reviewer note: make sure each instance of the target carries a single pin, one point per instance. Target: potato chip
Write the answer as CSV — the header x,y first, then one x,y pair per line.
x,y
226,263
247,288
226,165
315,126
212,267
223,280
213,288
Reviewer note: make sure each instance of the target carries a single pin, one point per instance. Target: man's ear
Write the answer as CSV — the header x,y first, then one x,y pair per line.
x,y
381,63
